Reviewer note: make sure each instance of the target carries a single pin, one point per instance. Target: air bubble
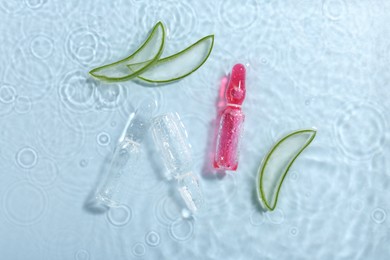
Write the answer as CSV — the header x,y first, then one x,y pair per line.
x,y
82,255
26,157
152,239
139,249
294,231
83,163
119,216
7,94
103,139
378,215
23,105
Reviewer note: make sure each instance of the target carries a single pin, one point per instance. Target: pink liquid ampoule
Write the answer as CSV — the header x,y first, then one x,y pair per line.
x,y
231,122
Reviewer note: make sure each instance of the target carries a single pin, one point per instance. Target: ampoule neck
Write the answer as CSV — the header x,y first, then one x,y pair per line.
x,y
234,106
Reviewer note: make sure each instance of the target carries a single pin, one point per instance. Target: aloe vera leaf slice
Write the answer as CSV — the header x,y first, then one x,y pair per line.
x,y
178,65
147,54
274,167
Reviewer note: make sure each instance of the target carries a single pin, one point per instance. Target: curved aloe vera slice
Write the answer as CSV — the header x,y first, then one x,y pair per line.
x,y
179,65
149,52
276,164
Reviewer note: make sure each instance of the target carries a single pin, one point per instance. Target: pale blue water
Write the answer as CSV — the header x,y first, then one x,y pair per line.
x,y
322,64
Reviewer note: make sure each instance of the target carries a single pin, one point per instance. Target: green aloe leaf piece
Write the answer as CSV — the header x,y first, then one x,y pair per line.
x,y
147,54
276,164
179,65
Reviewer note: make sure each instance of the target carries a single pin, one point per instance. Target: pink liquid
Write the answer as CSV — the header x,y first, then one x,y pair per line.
x,y
231,122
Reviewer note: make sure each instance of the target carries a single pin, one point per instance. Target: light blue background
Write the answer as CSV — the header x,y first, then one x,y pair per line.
x,y
322,64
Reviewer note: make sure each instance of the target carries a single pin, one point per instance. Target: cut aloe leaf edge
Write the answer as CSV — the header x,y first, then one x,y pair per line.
x,y
171,68
147,54
276,164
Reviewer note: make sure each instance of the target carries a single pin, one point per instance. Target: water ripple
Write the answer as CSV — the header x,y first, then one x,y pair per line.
x,y
263,54
357,18
43,41
82,255
279,126
136,98
45,173
378,215
35,4
196,128
256,218
26,70
181,229
360,131
276,217
85,100
5,109
271,90
12,6
29,69
334,9
338,39
110,96
301,54
85,123
23,105
119,216
297,10
7,93
178,17
76,91
24,204
345,76
324,118
167,211
219,192
42,46
53,135
239,17
313,192
205,90
86,47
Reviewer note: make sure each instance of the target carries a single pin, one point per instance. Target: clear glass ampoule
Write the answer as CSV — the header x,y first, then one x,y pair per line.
x,y
126,155
170,138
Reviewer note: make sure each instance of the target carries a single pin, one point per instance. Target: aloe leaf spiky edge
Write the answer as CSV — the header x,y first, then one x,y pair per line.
x,y
148,63
166,59
261,194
